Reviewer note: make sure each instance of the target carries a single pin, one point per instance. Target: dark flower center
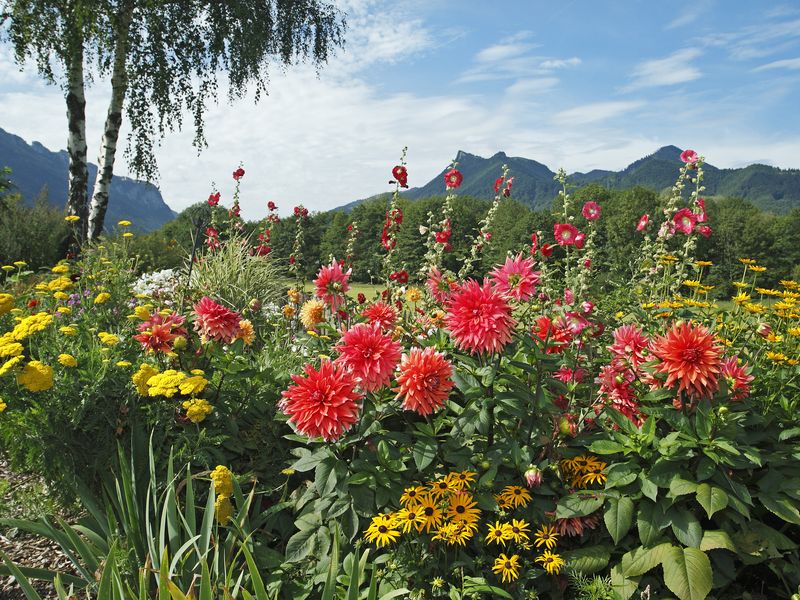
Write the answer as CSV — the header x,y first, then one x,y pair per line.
x,y
690,354
515,529
428,511
460,509
382,529
507,565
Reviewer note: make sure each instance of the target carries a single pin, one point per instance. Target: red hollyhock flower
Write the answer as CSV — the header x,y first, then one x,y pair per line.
x,y
159,332
332,284
497,183
238,174
271,205
400,174
516,278
547,250
534,243
565,233
400,277
324,403
453,179
591,211
215,322
235,211
684,221
643,221
737,376
381,314
424,380
369,354
213,199
689,156
479,318
580,241
690,357
361,298
507,190
704,230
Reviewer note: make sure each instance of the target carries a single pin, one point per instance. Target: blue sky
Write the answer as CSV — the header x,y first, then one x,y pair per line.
x,y
581,84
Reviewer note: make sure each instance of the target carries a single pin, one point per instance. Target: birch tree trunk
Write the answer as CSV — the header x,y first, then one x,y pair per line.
x,y
108,143
77,201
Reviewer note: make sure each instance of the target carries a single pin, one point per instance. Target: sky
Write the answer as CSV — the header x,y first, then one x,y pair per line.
x,y
579,84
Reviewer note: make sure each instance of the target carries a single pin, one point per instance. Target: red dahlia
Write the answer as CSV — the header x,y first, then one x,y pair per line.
x,y
691,358
424,380
369,354
479,318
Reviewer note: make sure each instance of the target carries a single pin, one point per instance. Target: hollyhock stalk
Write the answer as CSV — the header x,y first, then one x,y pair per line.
x,y
438,230
394,217
484,235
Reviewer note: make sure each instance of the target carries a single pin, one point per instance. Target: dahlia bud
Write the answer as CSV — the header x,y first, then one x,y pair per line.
x,y
587,307
255,305
764,329
533,476
179,343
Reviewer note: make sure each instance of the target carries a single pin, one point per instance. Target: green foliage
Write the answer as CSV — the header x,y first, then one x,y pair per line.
x,y
37,235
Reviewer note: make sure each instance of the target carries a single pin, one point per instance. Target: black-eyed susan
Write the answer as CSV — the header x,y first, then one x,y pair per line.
x,y
520,530
506,567
550,562
592,477
412,495
382,531
463,508
454,533
430,512
546,536
461,480
516,495
499,533
439,488
406,518
501,502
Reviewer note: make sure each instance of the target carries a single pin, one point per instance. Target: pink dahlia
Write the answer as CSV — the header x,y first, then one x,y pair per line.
x,y
441,285
159,332
424,380
643,221
215,322
479,318
565,233
685,220
324,403
331,284
691,358
630,346
737,376
381,314
369,354
516,278
591,211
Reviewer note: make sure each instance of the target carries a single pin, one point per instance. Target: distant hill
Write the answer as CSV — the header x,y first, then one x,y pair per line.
x,y
34,167
769,188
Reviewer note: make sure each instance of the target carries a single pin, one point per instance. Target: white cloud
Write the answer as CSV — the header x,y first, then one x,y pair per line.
x,y
560,63
596,112
789,63
532,86
672,70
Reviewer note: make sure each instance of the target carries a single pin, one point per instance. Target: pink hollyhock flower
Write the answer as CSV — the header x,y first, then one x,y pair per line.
x,y
704,230
479,318
591,211
630,346
534,243
684,221
516,278
565,233
689,157
569,296
332,284
643,222
737,377
453,179
369,354
215,322
424,380
580,240
381,314
587,307
690,357
700,203
324,403
440,286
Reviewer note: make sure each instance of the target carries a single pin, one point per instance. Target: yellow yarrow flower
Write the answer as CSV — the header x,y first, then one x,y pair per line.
x,y
142,376
192,385
197,409
127,234
30,325
60,269
3,405
102,297
123,363
59,284
124,223
69,330
36,377
6,303
20,263
108,339
72,218
165,384
67,360
223,509
222,478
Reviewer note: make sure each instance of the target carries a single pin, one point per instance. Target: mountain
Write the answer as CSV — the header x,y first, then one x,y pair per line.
x,y
769,188
34,168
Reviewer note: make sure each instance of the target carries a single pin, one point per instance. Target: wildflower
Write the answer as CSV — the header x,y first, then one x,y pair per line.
x,y
499,533
479,318
382,531
413,295
430,512
412,496
591,211
30,325
214,321
60,269
516,278
67,360
370,355
165,384
6,303
690,357
461,480
191,386
424,380
406,518
72,218
223,509
575,526
684,220
197,409
452,179
124,223
332,285
108,339
288,312
777,357
380,313
689,156
3,405
35,377
9,365
515,495
520,530
546,536
757,268
440,488
323,403
643,221
222,478
123,363
550,562
102,298
400,173
312,314
747,261
246,332
462,509
507,567
565,234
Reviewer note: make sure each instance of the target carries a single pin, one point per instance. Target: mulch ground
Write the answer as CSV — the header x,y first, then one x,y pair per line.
x,y
22,548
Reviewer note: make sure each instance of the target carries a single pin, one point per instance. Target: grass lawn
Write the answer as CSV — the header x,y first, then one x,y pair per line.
x,y
370,290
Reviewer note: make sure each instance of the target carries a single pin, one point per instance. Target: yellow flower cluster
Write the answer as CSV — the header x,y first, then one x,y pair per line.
x,y
197,409
108,339
170,382
582,471
36,377
30,325
102,298
67,360
60,269
6,303
222,479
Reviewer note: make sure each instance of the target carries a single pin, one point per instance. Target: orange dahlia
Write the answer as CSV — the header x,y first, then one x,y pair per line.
x,y
479,318
691,358
324,403
424,380
369,354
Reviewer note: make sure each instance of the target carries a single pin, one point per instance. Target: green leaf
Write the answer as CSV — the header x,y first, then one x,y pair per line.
x,y
686,527
578,505
606,447
687,573
716,539
325,476
300,545
255,577
618,517
788,434
648,524
781,507
424,452
649,489
620,474
681,487
625,587
641,560
588,560
27,588
711,498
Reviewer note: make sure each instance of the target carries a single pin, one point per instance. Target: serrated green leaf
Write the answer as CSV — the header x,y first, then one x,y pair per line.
x,y
578,505
711,498
424,453
687,573
781,507
300,545
618,517
588,560
681,487
686,527
606,447
641,560
715,539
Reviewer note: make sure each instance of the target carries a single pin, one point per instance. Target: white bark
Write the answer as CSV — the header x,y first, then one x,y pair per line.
x,y
76,142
